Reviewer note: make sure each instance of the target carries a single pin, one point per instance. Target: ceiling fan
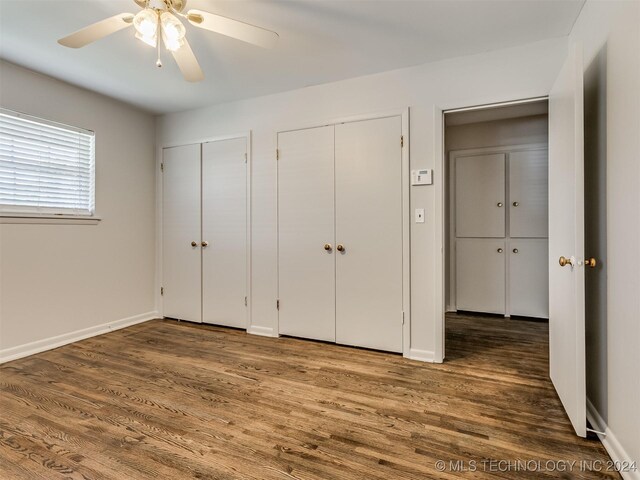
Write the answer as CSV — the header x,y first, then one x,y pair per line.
x,y
160,19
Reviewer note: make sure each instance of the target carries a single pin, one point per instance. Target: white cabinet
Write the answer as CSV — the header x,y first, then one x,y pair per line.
x,y
499,262
340,233
480,274
529,277
480,195
204,232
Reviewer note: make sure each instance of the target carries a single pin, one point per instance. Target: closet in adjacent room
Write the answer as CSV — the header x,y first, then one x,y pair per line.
x,y
204,232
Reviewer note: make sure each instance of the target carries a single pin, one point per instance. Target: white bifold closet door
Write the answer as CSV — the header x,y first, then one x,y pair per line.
x,y
224,232
305,225
181,253
368,159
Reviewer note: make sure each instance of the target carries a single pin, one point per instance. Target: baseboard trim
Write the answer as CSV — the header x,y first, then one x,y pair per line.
x,y
14,353
611,444
262,331
421,355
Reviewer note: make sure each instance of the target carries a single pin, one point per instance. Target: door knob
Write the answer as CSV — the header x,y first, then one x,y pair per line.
x,y
499,204
205,244
340,248
194,244
515,204
500,250
327,247
591,262
515,250
563,261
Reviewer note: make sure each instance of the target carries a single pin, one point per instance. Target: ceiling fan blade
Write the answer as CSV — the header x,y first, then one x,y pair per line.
x,y
97,30
187,63
233,28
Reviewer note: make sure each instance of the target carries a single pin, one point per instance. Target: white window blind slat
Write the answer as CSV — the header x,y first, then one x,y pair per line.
x,y
45,167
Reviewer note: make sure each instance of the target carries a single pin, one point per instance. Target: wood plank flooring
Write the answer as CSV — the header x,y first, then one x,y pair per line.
x,y
174,400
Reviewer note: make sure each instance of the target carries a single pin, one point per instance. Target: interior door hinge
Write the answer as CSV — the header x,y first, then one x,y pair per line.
x,y
277,304
277,154
245,301
161,290
245,158
403,318
402,140
162,167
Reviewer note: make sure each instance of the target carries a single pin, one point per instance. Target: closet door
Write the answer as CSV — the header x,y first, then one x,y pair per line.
x,y
529,277
480,195
529,193
369,229
480,275
224,232
181,254
306,233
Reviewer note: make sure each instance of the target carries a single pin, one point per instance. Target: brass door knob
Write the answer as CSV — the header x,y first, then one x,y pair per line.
x,y
340,248
499,204
205,244
591,262
515,250
515,204
194,244
563,261
327,247
500,250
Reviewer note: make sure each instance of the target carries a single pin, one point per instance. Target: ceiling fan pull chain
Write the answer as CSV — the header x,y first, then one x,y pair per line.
x,y
158,35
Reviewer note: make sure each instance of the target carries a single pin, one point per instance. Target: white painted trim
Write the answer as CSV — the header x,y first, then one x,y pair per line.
x,y
422,355
403,113
615,450
247,135
262,331
13,353
10,218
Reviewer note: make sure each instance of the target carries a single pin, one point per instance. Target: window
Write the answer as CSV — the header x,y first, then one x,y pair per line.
x,y
45,168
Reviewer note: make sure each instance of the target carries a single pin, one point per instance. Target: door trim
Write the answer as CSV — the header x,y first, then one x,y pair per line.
x,y
403,113
441,190
159,213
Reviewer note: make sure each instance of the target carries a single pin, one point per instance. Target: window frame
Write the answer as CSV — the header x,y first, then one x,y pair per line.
x,y
16,214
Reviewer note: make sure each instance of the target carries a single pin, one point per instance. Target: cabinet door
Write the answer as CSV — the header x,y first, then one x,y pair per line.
x,y
369,226
528,193
306,270
224,232
529,277
480,275
480,196
181,262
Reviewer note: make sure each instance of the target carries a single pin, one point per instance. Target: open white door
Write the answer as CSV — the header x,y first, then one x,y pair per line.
x,y
566,240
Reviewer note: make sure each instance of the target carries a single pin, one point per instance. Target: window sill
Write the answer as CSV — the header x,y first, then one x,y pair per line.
x,y
15,218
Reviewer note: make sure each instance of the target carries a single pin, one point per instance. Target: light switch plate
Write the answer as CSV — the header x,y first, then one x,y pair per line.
x,y
419,215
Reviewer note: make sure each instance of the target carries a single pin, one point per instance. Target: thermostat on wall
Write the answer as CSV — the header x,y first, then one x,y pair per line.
x,y
422,177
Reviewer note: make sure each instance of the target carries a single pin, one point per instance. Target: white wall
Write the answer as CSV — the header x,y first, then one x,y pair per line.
x,y
514,73
610,34
56,280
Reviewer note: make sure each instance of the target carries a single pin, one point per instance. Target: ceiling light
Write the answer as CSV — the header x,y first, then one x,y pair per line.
x,y
172,27
146,23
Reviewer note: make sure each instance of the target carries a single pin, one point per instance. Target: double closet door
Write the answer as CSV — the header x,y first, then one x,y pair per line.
x,y
340,233
204,250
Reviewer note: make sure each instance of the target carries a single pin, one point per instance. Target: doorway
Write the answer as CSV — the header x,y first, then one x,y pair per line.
x,y
496,221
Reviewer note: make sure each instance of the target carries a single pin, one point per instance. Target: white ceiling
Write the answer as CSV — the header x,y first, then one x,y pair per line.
x,y
320,41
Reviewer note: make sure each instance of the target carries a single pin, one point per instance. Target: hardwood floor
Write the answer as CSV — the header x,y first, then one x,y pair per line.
x,y
175,400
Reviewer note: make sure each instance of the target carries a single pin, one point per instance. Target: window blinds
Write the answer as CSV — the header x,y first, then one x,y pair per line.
x,y
45,167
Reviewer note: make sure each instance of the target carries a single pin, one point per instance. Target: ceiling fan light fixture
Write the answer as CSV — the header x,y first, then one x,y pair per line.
x,y
146,23
151,40
172,28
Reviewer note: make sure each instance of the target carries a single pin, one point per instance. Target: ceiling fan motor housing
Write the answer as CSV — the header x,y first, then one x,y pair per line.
x,y
177,5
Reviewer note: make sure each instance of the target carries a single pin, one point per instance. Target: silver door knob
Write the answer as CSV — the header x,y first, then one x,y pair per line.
x,y
500,250
194,244
515,250
515,204
500,204
204,244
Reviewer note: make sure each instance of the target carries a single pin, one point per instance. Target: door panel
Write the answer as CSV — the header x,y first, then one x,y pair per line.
x,y
305,225
368,159
181,262
566,238
528,194
529,277
480,275
224,229
480,196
